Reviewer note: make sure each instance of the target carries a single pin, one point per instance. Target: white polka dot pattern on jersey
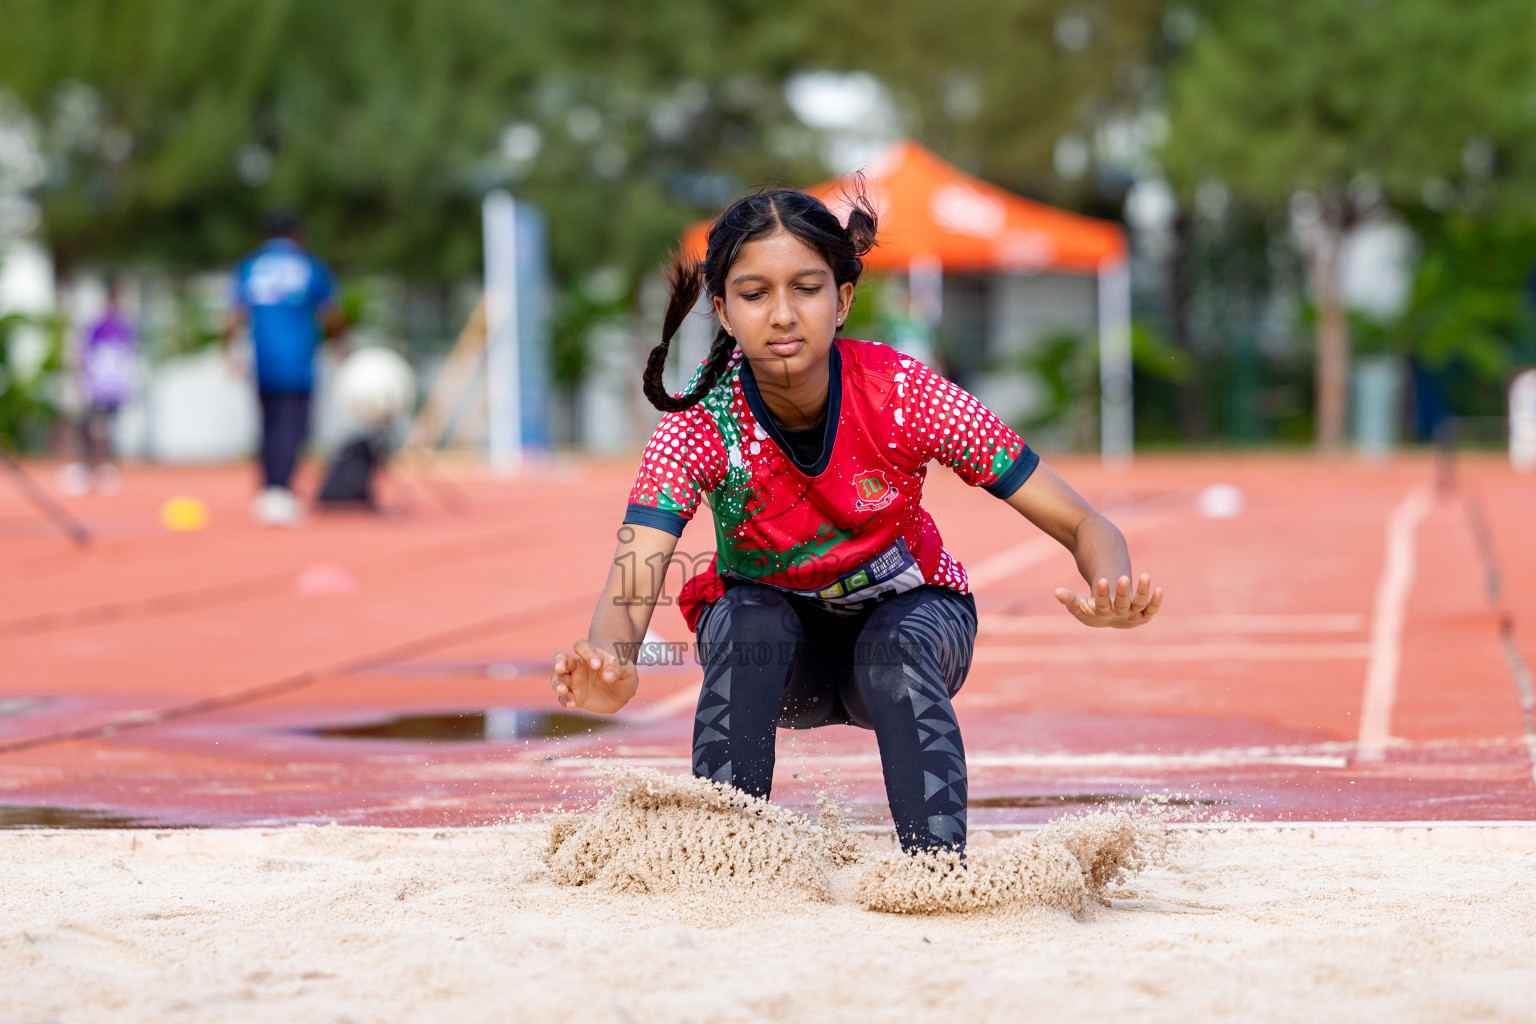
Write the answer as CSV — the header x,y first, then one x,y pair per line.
x,y
938,419
683,459
719,448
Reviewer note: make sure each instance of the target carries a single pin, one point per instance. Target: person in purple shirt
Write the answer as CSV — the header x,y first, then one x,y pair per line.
x,y
108,374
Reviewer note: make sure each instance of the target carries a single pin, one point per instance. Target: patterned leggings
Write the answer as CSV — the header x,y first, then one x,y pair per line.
x,y
772,659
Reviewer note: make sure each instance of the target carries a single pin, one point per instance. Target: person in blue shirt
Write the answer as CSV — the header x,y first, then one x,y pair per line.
x,y
285,295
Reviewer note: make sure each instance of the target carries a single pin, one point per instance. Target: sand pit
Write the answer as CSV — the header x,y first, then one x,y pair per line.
x,y
358,924
684,836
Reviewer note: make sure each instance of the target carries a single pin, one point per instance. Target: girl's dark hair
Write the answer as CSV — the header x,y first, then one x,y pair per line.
x,y
749,218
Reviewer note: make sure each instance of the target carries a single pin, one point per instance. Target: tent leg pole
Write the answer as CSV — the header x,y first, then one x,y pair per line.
x,y
1116,427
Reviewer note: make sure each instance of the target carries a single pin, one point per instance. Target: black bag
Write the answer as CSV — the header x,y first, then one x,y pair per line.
x,y
350,480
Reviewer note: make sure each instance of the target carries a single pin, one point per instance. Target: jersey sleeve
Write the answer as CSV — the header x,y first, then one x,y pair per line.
x,y
321,285
237,299
683,460
948,424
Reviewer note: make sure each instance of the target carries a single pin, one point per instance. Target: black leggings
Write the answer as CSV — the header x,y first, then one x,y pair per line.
x,y
771,659
284,426
96,433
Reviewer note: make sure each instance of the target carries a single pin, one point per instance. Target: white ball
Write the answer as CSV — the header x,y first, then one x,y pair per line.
x,y
375,386
1220,501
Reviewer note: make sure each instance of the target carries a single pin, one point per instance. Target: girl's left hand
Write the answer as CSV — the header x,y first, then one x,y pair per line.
x,y
1122,610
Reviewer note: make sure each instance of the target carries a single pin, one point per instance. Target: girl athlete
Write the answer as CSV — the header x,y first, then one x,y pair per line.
x,y
831,599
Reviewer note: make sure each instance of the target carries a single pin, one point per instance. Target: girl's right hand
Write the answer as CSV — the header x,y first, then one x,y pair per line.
x,y
593,680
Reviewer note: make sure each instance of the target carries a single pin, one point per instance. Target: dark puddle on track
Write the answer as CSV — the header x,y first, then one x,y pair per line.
x,y
13,816
491,725
1088,800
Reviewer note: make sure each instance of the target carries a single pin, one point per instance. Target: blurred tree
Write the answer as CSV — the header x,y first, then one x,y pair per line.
x,y
1332,106
27,406
168,126
1470,322
1046,97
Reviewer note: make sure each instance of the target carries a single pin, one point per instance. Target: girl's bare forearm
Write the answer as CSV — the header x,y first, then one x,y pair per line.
x,y
623,612
617,620
1100,550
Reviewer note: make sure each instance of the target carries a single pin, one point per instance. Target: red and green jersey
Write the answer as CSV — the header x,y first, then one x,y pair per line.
x,y
850,528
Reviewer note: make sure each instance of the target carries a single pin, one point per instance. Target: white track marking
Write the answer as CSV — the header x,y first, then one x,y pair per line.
x,y
1032,552
1527,691
1015,560
1503,834
1387,626
1342,622
1215,759
1148,653
684,699
1465,835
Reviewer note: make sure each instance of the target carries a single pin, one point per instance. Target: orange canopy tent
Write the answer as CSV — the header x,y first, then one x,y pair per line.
x,y
931,210
936,219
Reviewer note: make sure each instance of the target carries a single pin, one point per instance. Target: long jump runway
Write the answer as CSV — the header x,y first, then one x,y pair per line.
x,y
1354,645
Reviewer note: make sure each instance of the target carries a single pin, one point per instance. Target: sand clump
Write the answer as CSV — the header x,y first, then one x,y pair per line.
x,y
655,833
1016,871
1067,865
658,833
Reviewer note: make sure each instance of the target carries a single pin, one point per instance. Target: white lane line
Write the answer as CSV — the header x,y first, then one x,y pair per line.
x,y
1514,833
1032,552
1526,688
1213,759
987,654
1340,622
1465,835
1387,617
684,699
1015,560
1217,759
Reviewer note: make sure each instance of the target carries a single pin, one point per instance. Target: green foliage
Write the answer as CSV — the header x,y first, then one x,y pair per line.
x,y
989,84
1275,96
1421,105
580,309
1471,298
867,315
1065,363
1470,320
1154,358
26,402
170,126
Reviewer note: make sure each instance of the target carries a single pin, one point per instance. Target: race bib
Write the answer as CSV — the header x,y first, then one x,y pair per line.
x,y
892,571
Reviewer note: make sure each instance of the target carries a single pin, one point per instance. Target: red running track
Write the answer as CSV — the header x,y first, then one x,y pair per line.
x,y
191,679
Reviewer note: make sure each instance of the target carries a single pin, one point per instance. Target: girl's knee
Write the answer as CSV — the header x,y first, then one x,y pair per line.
x,y
933,635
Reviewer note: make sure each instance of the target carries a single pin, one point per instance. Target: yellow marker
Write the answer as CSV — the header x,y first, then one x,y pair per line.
x,y
183,514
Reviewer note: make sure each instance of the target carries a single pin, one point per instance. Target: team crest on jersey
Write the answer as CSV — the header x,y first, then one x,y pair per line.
x,y
873,492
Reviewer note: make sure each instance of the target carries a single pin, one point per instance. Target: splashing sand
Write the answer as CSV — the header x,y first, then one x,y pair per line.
x,y
1067,865
658,834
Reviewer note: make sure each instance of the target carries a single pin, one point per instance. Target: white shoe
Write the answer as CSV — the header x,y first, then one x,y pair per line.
x,y
108,479
75,480
277,506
